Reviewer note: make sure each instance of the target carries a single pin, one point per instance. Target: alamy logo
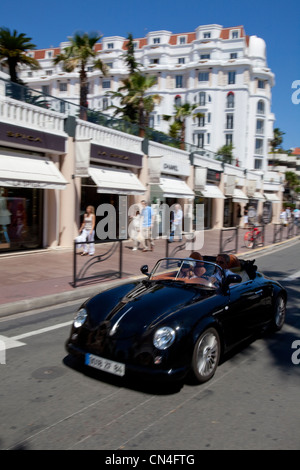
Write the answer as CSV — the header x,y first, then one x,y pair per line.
x,y
296,93
296,354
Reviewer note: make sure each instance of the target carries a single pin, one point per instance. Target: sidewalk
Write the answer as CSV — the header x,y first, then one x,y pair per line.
x,y
31,280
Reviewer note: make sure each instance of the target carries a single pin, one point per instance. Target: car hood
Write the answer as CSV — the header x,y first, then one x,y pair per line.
x,y
142,307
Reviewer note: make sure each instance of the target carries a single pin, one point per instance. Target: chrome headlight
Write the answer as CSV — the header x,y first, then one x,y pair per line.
x,y
164,337
80,318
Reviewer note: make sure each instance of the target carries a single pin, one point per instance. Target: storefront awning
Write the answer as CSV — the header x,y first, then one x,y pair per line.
x,y
257,195
116,181
272,197
30,172
239,196
174,187
211,190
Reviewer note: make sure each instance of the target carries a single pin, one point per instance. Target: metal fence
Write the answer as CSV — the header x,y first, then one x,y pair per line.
x,y
88,268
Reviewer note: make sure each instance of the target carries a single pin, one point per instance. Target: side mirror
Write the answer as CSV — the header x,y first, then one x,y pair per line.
x,y
144,269
233,279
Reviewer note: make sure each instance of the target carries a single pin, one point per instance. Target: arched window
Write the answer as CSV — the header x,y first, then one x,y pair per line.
x,y
230,100
177,100
261,107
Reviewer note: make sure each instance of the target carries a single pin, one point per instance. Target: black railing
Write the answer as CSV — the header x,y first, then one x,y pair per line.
x,y
230,243
88,267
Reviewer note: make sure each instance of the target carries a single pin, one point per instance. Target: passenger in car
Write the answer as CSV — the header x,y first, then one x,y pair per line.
x,y
199,269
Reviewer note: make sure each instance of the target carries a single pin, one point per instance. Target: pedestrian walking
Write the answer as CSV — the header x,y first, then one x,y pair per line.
x,y
147,224
136,230
176,227
87,232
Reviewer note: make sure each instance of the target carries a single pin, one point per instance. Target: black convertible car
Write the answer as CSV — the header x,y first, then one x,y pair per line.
x,y
180,319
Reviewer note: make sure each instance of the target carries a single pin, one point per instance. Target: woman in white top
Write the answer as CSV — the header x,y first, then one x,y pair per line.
x,y
87,232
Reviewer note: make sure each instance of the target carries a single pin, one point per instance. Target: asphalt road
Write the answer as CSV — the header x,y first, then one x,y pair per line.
x,y
251,403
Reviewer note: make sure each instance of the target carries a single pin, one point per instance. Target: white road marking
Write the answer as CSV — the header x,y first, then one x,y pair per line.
x,y
14,342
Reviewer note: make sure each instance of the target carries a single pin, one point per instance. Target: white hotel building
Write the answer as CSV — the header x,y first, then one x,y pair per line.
x,y
222,70
43,187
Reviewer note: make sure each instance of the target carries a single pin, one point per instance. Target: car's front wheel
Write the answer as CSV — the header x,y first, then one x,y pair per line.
x,y
279,313
206,355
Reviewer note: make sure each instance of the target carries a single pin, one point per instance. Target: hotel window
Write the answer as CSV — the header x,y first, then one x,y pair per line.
x,y
49,54
63,86
105,104
182,40
228,139
106,84
200,140
206,35
181,60
259,146
261,84
179,81
90,69
229,121
177,100
110,45
201,121
203,76
235,34
231,78
257,164
202,98
230,100
233,55
204,56
208,117
154,61
208,139
260,126
156,40
48,72
260,107
45,89
29,74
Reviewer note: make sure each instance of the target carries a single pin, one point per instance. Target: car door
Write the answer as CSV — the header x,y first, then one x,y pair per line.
x,y
239,314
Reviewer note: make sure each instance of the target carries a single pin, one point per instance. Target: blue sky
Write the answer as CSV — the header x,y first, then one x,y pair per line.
x,y
277,22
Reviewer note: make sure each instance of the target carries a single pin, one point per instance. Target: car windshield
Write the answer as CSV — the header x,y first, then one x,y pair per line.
x,y
188,271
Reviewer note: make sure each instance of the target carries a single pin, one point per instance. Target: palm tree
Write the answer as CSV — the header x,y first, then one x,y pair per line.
x,y
136,105
277,139
181,113
13,48
79,53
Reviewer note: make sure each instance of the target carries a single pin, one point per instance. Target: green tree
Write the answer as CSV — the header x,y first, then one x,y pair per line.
x,y
178,127
277,139
135,104
226,153
13,48
79,54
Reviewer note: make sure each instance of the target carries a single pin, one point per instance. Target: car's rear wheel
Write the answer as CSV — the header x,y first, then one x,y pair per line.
x,y
279,313
206,355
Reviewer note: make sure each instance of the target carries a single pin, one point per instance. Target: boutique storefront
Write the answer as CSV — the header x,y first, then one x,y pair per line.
x,y
112,186
207,182
30,186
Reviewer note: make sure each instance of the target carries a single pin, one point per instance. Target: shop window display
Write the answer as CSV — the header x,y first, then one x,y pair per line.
x,y
20,218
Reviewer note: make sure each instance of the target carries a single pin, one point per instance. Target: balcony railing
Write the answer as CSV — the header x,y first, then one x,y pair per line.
x,y
57,105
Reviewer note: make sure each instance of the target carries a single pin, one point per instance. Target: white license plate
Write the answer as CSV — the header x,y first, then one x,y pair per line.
x,y
106,365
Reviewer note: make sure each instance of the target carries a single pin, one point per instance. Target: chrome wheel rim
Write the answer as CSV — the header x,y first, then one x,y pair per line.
x,y
280,312
207,354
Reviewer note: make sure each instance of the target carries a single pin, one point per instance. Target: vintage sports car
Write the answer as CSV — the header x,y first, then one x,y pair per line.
x,y
180,319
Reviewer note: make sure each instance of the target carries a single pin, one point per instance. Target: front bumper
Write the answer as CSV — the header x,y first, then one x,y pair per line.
x,y
152,373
